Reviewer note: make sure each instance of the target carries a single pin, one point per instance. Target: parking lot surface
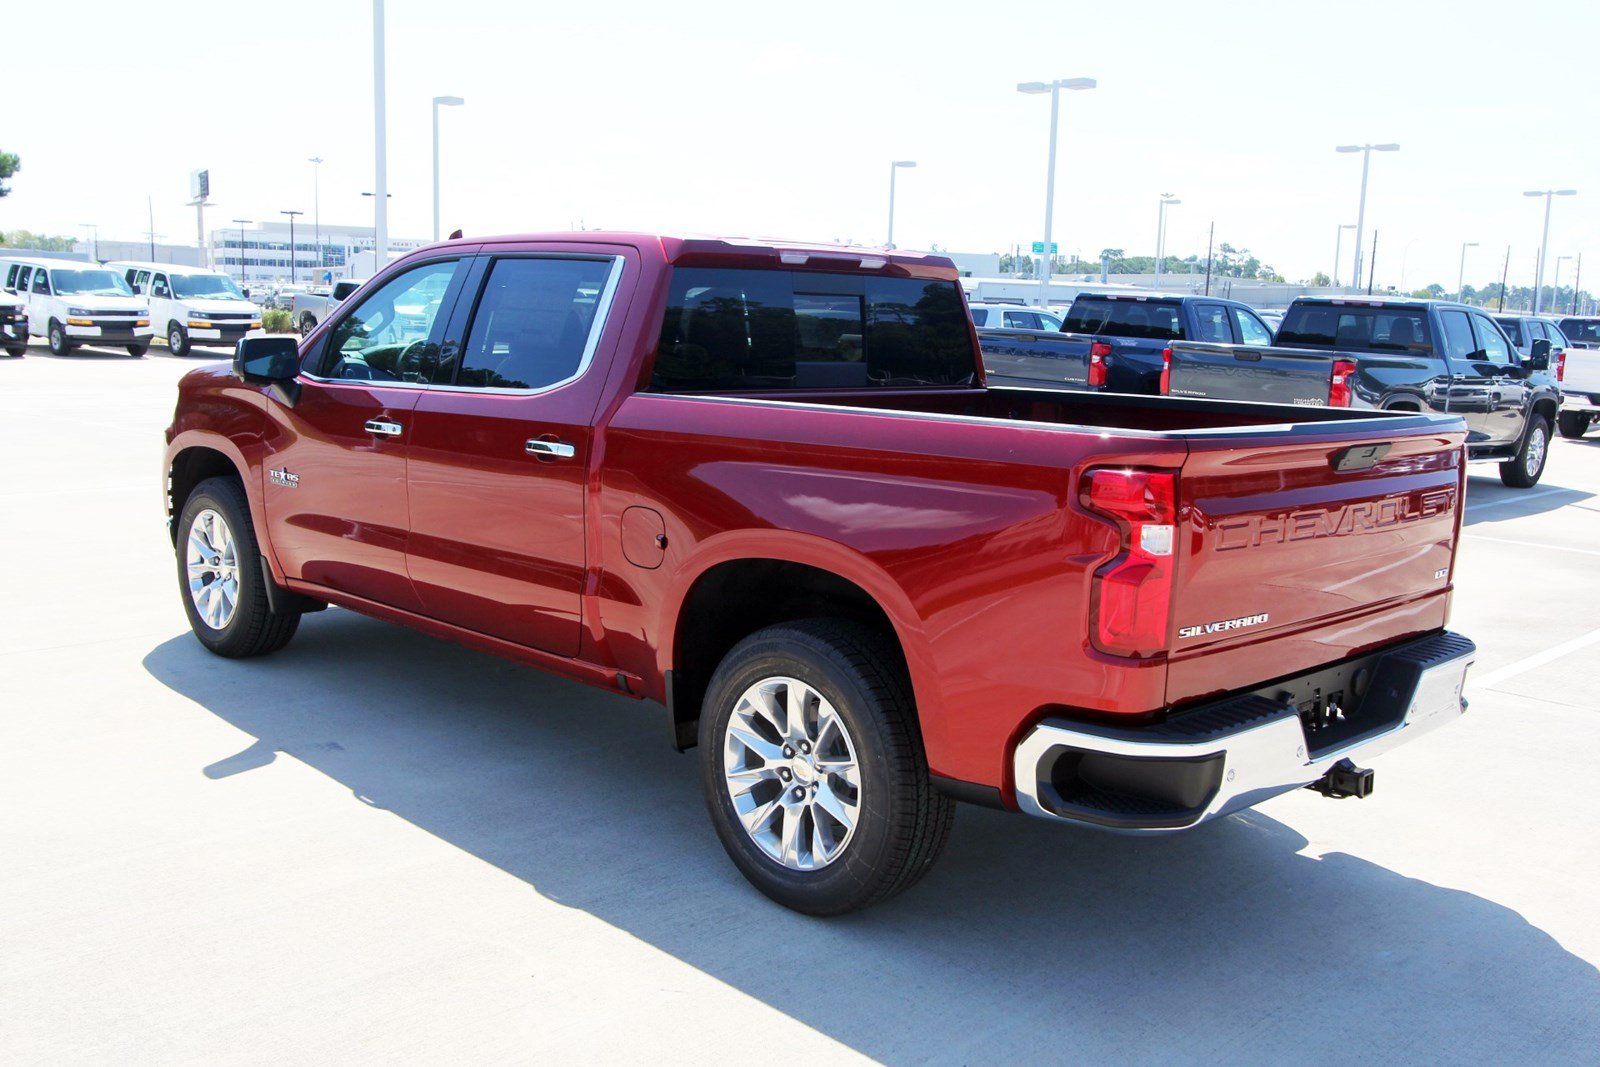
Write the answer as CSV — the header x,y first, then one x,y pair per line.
x,y
375,846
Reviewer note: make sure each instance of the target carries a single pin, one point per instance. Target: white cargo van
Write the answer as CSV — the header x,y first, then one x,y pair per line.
x,y
189,305
74,303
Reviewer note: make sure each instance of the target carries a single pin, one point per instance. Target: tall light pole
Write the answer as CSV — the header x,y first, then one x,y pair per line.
x,y
243,277
1555,285
1054,89
1461,275
292,249
1161,231
893,167
316,205
1338,242
438,102
376,211
94,232
1544,242
1366,151
380,144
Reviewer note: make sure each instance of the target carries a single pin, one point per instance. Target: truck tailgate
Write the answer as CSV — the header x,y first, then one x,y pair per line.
x,y
1034,357
1253,373
1311,548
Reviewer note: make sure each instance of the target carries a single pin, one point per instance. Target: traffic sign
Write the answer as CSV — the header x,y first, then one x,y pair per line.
x,y
1038,248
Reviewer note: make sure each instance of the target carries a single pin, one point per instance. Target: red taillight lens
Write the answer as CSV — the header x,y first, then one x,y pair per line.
x,y
1561,366
1098,351
1133,593
1166,371
1339,388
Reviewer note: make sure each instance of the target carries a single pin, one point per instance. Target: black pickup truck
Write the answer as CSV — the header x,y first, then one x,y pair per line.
x,y
1394,355
1115,341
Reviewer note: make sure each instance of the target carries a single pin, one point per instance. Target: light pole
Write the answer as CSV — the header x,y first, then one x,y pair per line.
x,y
292,250
1338,241
243,277
1161,231
438,102
1555,285
1366,151
1544,242
377,263
1054,89
380,141
1461,275
316,205
94,232
893,167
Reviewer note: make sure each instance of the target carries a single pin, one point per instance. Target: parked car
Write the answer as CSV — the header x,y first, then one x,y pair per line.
x,y
1578,371
1393,355
1013,317
767,487
13,324
311,308
1114,341
189,304
72,303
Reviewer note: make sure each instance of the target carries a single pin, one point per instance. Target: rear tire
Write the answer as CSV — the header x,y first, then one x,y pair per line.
x,y
18,352
178,340
1574,424
857,721
57,336
1524,470
308,322
220,576
138,351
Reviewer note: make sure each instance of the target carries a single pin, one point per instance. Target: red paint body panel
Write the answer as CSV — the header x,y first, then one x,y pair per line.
x,y
956,510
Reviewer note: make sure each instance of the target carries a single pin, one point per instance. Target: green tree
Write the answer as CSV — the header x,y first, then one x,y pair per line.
x,y
10,163
1320,279
37,241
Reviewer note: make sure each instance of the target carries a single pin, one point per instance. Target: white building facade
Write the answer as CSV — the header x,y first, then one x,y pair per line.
x,y
260,253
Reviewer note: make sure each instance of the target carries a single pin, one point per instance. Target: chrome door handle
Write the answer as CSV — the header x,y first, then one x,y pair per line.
x,y
553,449
383,427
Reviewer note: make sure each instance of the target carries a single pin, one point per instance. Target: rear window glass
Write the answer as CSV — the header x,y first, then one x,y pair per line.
x,y
1378,329
1513,329
1124,318
739,330
1585,331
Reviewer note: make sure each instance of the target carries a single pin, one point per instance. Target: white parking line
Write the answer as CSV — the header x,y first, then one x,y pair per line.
x,y
1525,544
1520,498
1538,659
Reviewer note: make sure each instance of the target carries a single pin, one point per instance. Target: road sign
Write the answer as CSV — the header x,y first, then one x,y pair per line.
x,y
199,184
1038,248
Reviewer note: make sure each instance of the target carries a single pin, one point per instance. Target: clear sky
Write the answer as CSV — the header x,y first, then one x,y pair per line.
x,y
781,119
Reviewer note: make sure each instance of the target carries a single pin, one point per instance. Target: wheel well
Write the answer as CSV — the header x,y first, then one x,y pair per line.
x,y
1404,405
735,599
1548,409
191,467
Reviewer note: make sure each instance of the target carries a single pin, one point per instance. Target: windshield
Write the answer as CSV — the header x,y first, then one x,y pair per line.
x,y
1376,329
217,285
90,283
1124,318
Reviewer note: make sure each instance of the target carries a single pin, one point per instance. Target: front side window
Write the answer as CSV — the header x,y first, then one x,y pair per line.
x,y
730,329
1252,331
41,282
158,286
388,337
1491,342
532,324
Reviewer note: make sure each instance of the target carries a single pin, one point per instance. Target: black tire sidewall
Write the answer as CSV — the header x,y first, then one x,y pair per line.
x,y
1515,472
214,494
845,883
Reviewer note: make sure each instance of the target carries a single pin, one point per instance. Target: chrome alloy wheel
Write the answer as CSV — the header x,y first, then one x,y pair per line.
x,y
213,565
791,772
1536,449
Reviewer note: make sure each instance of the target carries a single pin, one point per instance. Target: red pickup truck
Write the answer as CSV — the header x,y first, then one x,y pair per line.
x,y
766,486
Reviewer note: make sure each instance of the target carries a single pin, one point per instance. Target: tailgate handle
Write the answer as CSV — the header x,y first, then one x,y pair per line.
x,y
1247,355
1359,457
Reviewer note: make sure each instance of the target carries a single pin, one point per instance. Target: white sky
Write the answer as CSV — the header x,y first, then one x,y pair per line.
x,y
763,118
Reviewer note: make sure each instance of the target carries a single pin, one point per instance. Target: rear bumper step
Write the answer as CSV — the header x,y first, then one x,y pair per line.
x,y
1219,758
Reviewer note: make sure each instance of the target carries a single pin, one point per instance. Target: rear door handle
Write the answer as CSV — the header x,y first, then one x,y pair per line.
x,y
552,449
384,428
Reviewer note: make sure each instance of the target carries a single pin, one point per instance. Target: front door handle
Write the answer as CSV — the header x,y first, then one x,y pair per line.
x,y
550,449
384,428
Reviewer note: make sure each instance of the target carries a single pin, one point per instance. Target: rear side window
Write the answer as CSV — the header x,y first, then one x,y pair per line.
x,y
1377,329
728,329
1022,320
979,317
1458,343
1211,324
1125,318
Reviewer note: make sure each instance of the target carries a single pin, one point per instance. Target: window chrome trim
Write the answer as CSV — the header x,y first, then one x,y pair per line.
x,y
602,314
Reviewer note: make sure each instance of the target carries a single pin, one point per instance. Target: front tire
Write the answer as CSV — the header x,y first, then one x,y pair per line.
x,y
18,352
178,340
220,576
138,351
813,769
1574,424
57,335
1524,470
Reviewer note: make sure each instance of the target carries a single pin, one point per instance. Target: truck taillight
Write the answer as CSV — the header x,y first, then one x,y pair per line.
x,y
1132,601
1098,352
1339,388
1166,370
1561,365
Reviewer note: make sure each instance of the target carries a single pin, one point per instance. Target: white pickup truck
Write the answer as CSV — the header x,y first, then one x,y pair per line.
x,y
1579,374
311,308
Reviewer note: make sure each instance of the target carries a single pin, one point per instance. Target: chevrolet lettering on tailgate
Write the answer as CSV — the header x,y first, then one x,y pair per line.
x,y
1340,521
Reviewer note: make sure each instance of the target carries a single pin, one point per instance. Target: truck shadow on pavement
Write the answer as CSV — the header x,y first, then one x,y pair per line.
x,y
1026,939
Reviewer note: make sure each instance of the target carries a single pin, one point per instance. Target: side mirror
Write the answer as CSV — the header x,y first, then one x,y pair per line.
x,y
1539,359
269,359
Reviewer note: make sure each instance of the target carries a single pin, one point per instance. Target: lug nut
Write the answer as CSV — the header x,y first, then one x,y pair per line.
x,y
788,752
799,794
805,746
783,773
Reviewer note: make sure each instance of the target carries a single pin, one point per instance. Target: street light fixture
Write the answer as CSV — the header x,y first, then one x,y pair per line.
x,y
244,278
1338,241
316,206
292,256
1544,242
893,167
1366,151
438,102
1054,89
1161,231
1461,276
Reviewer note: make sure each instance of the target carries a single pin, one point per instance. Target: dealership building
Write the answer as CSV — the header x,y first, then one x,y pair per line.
x,y
260,253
